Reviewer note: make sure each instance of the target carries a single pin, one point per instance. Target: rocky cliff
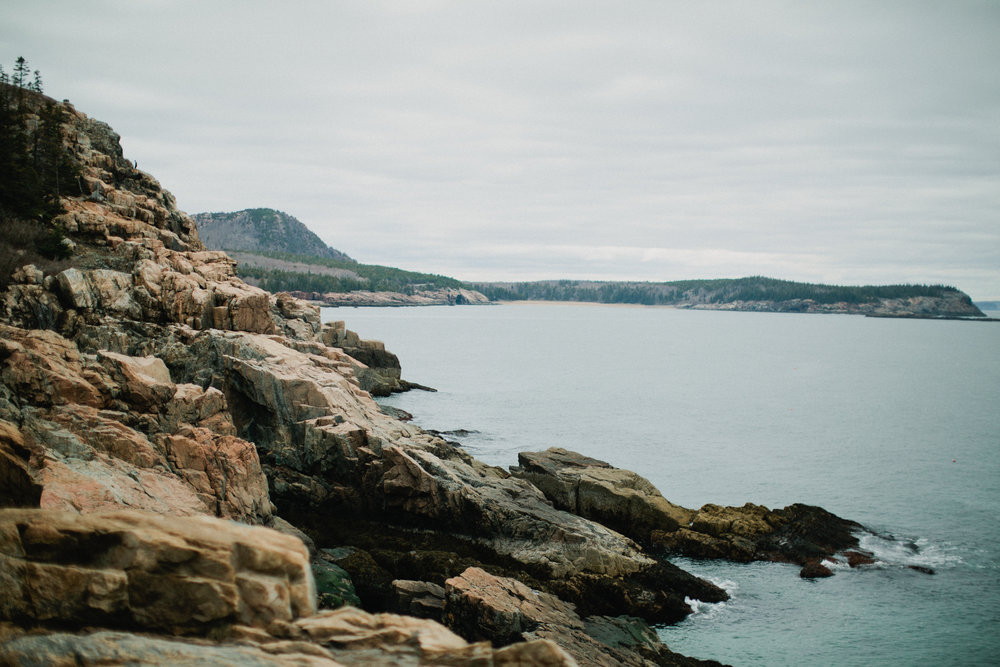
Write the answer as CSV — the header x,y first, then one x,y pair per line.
x,y
196,462
445,296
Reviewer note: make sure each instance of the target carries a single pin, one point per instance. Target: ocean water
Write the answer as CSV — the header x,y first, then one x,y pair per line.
x,y
892,423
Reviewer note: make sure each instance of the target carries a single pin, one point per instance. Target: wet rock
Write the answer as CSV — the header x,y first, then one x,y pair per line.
x,y
860,558
334,587
815,570
630,637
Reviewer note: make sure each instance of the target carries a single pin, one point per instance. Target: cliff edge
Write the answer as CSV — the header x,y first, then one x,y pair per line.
x,y
194,464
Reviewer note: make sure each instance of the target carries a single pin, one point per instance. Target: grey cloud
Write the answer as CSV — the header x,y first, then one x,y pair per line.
x,y
853,141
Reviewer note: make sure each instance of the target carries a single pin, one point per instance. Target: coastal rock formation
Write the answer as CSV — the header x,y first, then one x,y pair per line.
x,y
249,588
378,370
623,500
619,499
126,569
481,606
445,296
953,304
147,377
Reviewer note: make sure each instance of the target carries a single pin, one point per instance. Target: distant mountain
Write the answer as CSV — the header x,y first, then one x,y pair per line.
x,y
262,230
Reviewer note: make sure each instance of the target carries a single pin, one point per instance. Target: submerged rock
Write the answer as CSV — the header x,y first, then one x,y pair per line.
x,y
815,570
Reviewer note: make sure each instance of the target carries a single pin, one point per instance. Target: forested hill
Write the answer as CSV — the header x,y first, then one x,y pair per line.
x,y
286,272
278,253
262,230
753,293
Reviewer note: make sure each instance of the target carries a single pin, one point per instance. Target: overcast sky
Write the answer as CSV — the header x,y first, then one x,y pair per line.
x,y
843,142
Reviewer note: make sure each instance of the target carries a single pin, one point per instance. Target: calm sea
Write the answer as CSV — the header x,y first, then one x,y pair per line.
x,y
892,423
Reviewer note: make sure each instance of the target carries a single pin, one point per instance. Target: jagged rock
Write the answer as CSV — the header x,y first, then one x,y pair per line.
x,y
422,599
45,368
130,568
480,606
112,430
795,534
807,532
326,447
223,470
619,499
378,370
122,648
18,484
627,502
444,296
343,637
357,637
630,637
694,544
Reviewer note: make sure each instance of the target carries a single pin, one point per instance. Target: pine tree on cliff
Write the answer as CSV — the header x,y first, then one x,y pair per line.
x,y
21,72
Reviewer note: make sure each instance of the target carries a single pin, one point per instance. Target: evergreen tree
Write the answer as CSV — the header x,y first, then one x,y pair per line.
x,y
21,72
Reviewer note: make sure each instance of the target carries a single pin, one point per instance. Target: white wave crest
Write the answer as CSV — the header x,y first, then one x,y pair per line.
x,y
704,609
908,552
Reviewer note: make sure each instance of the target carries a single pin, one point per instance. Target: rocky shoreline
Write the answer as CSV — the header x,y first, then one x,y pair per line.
x,y
955,306
435,297
195,470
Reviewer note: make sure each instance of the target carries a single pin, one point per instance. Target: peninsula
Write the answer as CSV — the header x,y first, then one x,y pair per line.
x,y
278,253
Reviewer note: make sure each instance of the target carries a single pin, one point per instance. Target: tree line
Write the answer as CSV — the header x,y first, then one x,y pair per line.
x,y
371,277
35,169
713,291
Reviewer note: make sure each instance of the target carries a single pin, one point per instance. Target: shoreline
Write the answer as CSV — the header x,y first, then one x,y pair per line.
x,y
543,302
